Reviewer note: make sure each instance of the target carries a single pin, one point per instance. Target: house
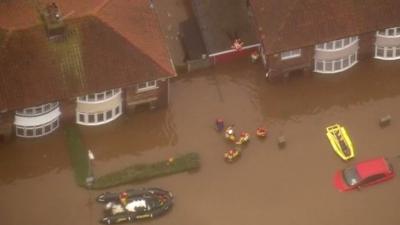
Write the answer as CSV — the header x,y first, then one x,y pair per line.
x,y
326,37
225,28
87,61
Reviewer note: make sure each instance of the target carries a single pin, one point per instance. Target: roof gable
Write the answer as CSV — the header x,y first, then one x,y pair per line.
x,y
36,71
118,43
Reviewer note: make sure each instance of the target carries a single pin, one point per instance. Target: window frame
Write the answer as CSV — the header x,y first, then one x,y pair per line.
x,y
291,54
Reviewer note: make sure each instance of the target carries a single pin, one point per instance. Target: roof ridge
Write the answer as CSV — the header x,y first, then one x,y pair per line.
x,y
100,7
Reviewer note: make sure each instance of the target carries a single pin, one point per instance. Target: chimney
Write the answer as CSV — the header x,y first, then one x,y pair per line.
x,y
53,21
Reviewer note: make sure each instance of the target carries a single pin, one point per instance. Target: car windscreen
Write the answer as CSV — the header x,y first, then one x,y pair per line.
x,y
351,176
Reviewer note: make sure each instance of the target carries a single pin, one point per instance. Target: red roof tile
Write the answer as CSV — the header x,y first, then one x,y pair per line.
x,y
139,25
290,24
120,45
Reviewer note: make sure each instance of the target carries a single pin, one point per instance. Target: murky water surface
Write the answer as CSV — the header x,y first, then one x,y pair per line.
x,y
266,186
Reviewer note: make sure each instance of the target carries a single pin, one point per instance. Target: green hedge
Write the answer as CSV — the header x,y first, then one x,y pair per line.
x,y
78,155
142,172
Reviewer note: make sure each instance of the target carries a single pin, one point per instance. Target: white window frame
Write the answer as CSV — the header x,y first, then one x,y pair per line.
x,y
37,110
37,131
386,49
147,86
351,59
386,33
99,96
331,45
115,113
291,54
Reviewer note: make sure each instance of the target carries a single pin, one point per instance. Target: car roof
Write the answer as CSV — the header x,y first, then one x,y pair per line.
x,y
372,167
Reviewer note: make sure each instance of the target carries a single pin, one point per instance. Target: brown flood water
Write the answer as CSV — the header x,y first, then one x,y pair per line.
x,y
266,186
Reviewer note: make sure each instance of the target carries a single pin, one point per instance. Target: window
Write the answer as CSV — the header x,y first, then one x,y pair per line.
x,y
387,53
337,44
109,114
345,62
47,129
91,97
352,58
351,176
29,132
20,132
39,132
37,110
81,117
329,45
99,96
319,66
291,54
337,65
100,117
54,125
328,66
91,118
109,94
346,41
390,32
145,86
380,52
372,179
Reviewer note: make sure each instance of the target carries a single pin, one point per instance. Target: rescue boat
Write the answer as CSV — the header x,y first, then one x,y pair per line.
x,y
261,132
340,141
139,204
243,138
231,155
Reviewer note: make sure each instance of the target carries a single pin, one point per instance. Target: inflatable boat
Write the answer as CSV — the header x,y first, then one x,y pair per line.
x,y
134,205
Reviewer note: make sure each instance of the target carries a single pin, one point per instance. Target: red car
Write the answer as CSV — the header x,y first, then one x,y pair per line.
x,y
363,174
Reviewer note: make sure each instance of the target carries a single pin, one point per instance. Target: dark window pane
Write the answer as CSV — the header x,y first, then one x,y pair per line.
x,y
109,114
81,117
39,131
47,129
91,118
20,131
100,117
29,132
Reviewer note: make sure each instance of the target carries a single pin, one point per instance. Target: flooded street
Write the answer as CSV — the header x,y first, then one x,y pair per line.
x,y
267,185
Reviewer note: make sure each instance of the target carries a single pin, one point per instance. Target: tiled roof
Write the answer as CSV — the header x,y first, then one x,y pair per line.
x,y
20,14
222,21
290,24
118,45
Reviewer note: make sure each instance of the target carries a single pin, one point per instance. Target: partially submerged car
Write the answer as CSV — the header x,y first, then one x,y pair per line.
x,y
363,174
133,205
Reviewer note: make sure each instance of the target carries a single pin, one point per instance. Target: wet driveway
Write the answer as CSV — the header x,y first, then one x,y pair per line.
x,y
267,185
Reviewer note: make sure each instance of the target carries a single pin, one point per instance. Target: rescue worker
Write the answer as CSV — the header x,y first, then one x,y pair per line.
x,y
123,198
219,123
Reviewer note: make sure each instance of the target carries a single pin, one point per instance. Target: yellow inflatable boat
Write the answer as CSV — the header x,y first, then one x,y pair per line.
x,y
340,141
